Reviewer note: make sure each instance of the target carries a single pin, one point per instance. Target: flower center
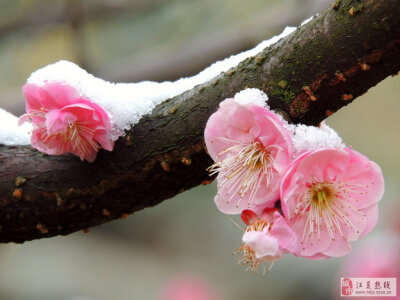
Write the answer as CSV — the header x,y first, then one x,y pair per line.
x,y
77,135
327,205
248,257
243,172
73,135
323,196
259,225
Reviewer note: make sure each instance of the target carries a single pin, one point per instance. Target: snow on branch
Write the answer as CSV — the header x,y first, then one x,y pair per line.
x,y
126,103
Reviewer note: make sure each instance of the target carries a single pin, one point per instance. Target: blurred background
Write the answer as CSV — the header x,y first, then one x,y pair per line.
x,y
184,244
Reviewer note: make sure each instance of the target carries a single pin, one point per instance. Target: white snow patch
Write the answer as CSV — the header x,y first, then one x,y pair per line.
x,y
126,103
252,96
307,138
11,133
308,20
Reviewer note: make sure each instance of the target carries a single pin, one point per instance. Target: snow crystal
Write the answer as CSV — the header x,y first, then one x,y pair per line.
x,y
307,138
308,20
126,103
11,133
252,96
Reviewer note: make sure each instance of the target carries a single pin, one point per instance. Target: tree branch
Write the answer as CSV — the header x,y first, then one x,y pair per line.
x,y
308,75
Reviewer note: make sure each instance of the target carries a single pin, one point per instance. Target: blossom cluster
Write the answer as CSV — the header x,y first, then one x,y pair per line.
x,y
327,194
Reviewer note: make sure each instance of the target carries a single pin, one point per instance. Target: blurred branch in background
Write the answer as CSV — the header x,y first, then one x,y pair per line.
x,y
62,195
133,40
76,20
203,50
28,14
28,21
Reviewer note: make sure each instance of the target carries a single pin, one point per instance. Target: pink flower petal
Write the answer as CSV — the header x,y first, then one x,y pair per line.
x,y
364,172
309,248
232,121
102,137
373,216
55,95
338,248
262,244
32,96
24,118
248,217
269,125
268,214
57,122
264,197
283,233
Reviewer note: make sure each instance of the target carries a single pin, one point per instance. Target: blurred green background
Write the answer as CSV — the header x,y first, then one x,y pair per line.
x,y
161,40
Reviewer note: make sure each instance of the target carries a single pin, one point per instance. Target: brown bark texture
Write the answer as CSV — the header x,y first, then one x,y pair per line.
x,y
308,75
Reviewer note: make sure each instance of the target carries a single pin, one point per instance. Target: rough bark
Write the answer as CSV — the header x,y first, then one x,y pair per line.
x,y
308,75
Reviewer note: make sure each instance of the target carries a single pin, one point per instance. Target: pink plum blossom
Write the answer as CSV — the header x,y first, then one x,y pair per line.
x,y
188,287
330,198
251,149
63,121
266,238
375,257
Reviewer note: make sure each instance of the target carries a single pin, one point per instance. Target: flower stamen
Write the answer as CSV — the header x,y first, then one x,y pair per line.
x,y
248,257
243,172
327,204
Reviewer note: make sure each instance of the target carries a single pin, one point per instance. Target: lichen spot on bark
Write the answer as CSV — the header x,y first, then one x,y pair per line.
x,y
186,161
42,228
105,212
365,67
340,76
165,166
17,193
19,180
347,97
